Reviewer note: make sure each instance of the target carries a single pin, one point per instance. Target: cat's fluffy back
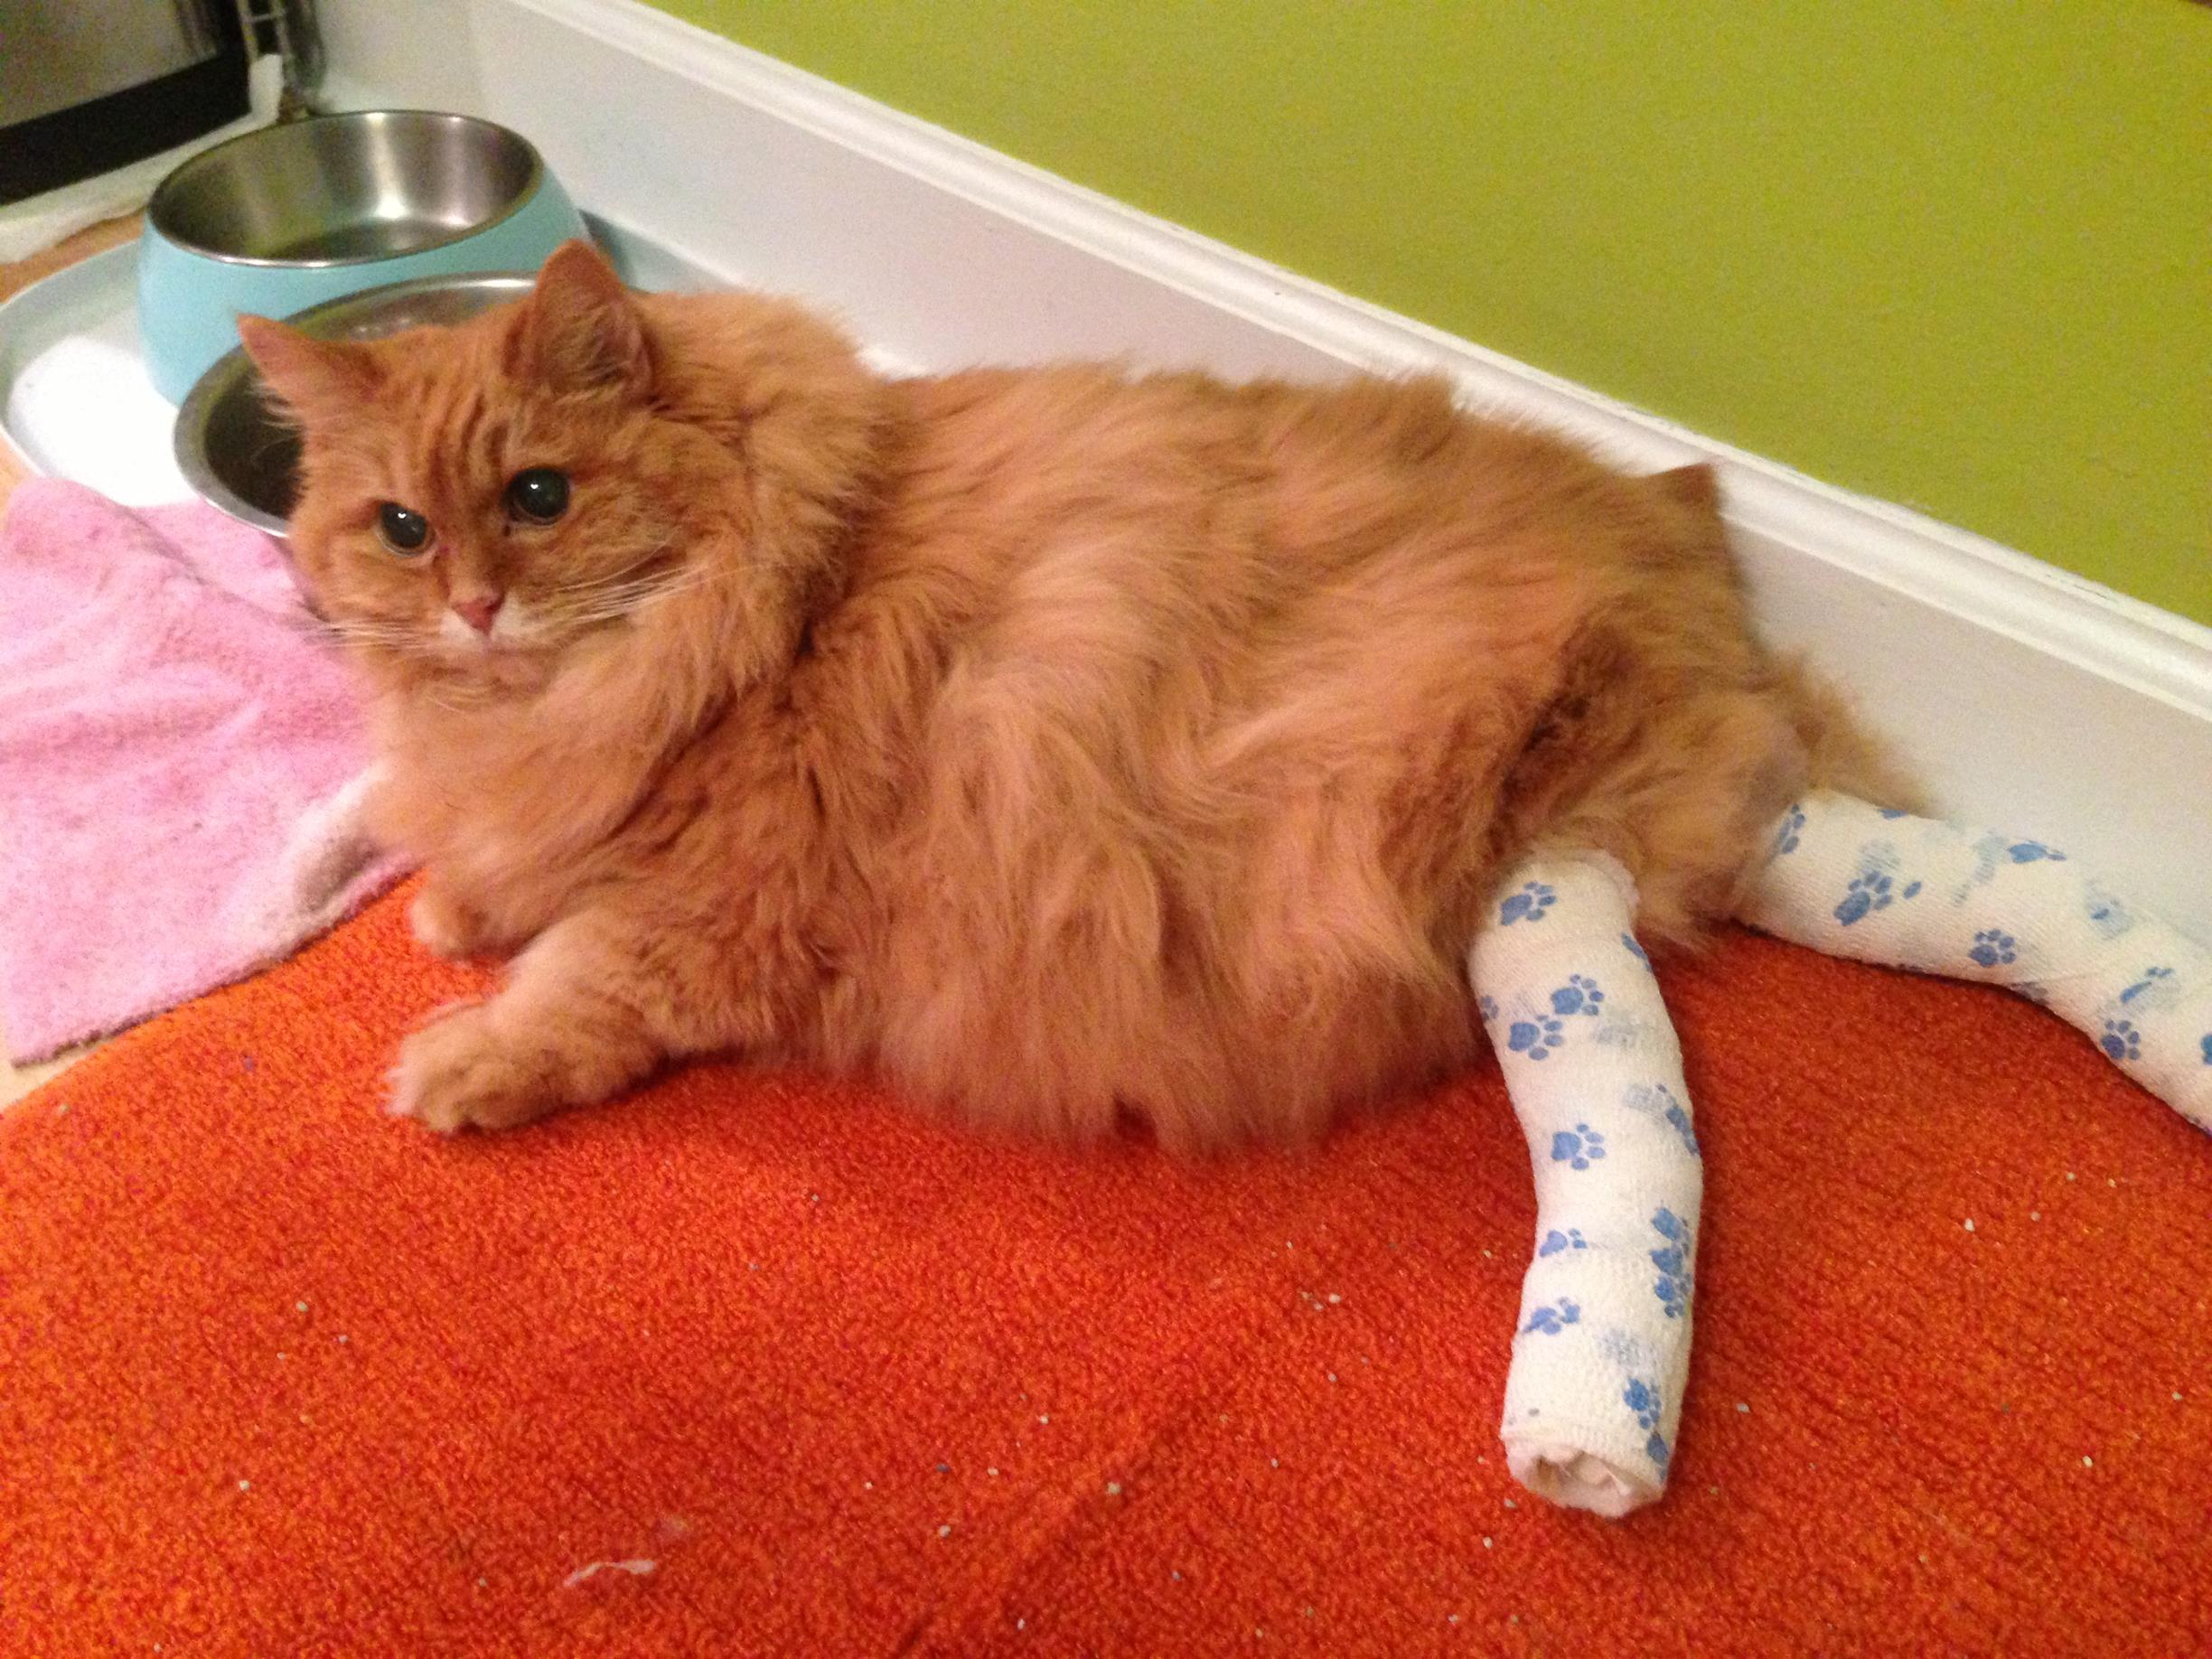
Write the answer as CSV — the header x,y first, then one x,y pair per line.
x,y
1218,735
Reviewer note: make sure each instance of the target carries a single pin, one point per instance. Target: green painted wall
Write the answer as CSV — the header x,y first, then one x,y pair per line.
x,y
1951,252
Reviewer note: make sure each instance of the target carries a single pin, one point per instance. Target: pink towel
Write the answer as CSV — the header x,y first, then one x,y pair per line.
x,y
182,761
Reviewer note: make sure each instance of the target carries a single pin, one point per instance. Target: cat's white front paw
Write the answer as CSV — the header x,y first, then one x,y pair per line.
x,y
457,1073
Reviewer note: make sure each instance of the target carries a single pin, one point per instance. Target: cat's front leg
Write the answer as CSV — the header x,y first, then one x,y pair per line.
x,y
573,1025
450,923
446,925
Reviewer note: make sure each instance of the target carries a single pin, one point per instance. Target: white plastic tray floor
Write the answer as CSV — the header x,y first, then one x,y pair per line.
x,y
79,403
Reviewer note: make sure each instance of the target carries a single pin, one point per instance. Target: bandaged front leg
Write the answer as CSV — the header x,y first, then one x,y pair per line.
x,y
1602,1346
1850,879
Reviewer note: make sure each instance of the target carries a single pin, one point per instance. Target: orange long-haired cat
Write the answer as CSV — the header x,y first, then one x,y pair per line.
x,y
1054,743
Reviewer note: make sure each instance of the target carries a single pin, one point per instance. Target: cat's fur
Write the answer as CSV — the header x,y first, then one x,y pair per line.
x,y
1054,743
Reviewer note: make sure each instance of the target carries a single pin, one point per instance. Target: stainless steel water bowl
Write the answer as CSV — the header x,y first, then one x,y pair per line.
x,y
372,184
286,217
235,442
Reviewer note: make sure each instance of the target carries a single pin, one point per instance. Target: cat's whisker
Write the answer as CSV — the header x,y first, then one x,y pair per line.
x,y
621,581
371,633
614,605
621,577
652,554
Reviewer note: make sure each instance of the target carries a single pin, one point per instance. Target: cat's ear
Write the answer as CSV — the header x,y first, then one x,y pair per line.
x,y
317,380
579,330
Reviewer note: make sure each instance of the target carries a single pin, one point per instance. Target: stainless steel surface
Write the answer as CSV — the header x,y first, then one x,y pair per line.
x,y
234,444
56,53
336,189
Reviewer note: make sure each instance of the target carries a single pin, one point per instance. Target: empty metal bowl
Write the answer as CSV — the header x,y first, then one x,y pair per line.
x,y
282,219
233,441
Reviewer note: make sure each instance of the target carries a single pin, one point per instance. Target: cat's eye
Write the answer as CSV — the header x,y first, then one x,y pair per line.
x,y
402,530
540,494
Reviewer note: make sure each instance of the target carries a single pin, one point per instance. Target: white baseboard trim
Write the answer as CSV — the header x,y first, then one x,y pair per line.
x,y
2023,696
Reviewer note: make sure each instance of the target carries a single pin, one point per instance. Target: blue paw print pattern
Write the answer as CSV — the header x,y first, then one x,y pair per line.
x,y
2034,852
1578,1148
2107,915
2153,977
2207,1048
1993,947
1555,1241
1636,949
1489,1007
1677,1119
1537,1038
1867,893
1641,1397
1673,1261
1658,1101
1785,832
1892,813
1579,995
1550,1321
1529,905
2121,1040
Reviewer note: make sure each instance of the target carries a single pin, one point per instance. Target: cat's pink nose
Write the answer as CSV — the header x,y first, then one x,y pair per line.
x,y
480,611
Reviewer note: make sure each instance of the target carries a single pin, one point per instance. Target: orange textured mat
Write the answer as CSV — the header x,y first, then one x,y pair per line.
x,y
279,1376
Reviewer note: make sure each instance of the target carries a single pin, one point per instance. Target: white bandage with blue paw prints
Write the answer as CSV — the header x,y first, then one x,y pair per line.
x,y
1850,879
1602,1346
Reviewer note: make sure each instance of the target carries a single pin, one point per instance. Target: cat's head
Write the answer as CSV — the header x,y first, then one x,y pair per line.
x,y
489,502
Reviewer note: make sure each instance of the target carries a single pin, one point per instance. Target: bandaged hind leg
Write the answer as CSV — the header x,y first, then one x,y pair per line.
x,y
1602,1344
1850,879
